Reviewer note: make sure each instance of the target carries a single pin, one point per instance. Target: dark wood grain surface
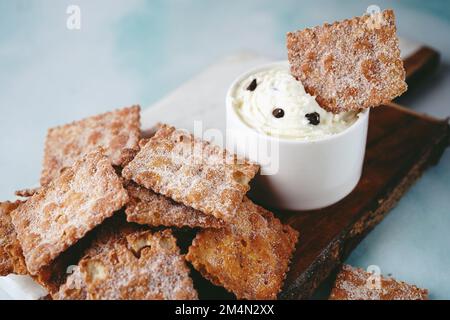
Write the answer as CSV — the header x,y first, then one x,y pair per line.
x,y
420,65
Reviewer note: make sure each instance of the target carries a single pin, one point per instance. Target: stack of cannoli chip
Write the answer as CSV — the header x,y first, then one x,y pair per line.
x,y
100,225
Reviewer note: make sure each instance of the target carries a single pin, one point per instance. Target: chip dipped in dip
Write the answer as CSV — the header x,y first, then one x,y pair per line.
x,y
273,102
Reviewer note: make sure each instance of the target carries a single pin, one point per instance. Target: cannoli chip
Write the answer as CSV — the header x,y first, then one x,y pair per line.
x,y
193,172
142,265
249,258
11,256
148,208
117,132
66,209
351,64
357,284
102,239
27,193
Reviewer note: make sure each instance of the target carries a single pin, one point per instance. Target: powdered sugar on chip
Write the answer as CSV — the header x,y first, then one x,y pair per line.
x,y
66,209
249,257
141,266
148,208
103,238
117,132
193,172
351,64
11,256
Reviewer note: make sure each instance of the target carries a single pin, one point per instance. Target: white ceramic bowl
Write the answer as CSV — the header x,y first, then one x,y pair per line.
x,y
299,174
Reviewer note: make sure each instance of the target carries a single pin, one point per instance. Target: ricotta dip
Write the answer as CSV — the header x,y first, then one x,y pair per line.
x,y
273,102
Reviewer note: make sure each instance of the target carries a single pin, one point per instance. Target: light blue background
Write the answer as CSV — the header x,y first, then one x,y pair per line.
x,y
137,51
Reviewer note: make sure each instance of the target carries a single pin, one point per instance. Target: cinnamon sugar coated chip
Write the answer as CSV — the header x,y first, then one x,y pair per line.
x,y
11,256
350,64
249,258
136,265
149,267
26,193
148,208
117,132
66,209
357,284
53,276
193,172
106,236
